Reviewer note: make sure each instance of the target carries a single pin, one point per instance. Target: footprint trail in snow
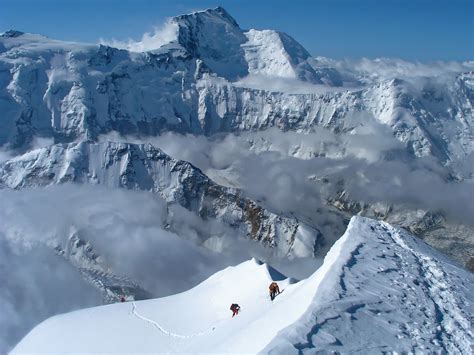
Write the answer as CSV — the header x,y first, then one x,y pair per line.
x,y
163,330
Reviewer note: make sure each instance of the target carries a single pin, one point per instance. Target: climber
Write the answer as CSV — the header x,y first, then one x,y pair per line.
x,y
235,308
274,290
122,298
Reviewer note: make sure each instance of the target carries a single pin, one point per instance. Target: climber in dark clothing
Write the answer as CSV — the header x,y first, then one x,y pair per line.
x,y
234,307
274,290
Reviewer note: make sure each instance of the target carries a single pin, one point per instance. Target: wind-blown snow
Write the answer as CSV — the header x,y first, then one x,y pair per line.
x,y
379,289
161,35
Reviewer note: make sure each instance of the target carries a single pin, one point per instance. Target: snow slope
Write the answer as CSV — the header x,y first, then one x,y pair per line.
x,y
276,54
379,289
196,320
387,291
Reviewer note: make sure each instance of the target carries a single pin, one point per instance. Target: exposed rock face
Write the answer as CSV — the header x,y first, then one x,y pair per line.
x,y
470,264
143,167
94,269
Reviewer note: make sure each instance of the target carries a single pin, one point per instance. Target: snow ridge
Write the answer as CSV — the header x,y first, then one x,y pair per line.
x,y
378,290
386,292
454,328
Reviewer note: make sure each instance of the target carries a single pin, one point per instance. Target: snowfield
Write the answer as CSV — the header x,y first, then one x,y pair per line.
x,y
379,289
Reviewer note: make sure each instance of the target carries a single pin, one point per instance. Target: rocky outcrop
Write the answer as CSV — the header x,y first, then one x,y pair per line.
x,y
93,268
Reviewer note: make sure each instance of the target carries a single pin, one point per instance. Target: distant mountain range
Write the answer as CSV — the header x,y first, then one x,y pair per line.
x,y
193,84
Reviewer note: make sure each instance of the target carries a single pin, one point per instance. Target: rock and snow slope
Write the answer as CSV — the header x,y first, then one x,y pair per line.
x,y
144,167
379,289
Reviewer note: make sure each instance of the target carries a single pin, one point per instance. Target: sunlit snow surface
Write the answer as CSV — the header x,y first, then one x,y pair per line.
x,y
379,289
387,291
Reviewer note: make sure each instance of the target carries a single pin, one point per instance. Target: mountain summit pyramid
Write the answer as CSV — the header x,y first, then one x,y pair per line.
x,y
215,37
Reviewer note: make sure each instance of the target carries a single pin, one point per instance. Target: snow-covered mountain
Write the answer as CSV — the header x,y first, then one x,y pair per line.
x,y
379,289
192,84
143,167
197,84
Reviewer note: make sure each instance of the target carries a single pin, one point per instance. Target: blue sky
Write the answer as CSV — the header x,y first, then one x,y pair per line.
x,y
424,30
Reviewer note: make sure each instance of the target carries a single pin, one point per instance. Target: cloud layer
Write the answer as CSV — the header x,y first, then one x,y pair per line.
x,y
297,173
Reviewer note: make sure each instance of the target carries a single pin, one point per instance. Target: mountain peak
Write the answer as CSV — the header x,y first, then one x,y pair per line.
x,y
12,34
237,53
211,13
197,33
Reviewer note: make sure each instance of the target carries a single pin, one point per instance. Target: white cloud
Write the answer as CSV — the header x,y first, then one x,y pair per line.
x,y
282,84
150,40
5,154
373,164
389,68
41,142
